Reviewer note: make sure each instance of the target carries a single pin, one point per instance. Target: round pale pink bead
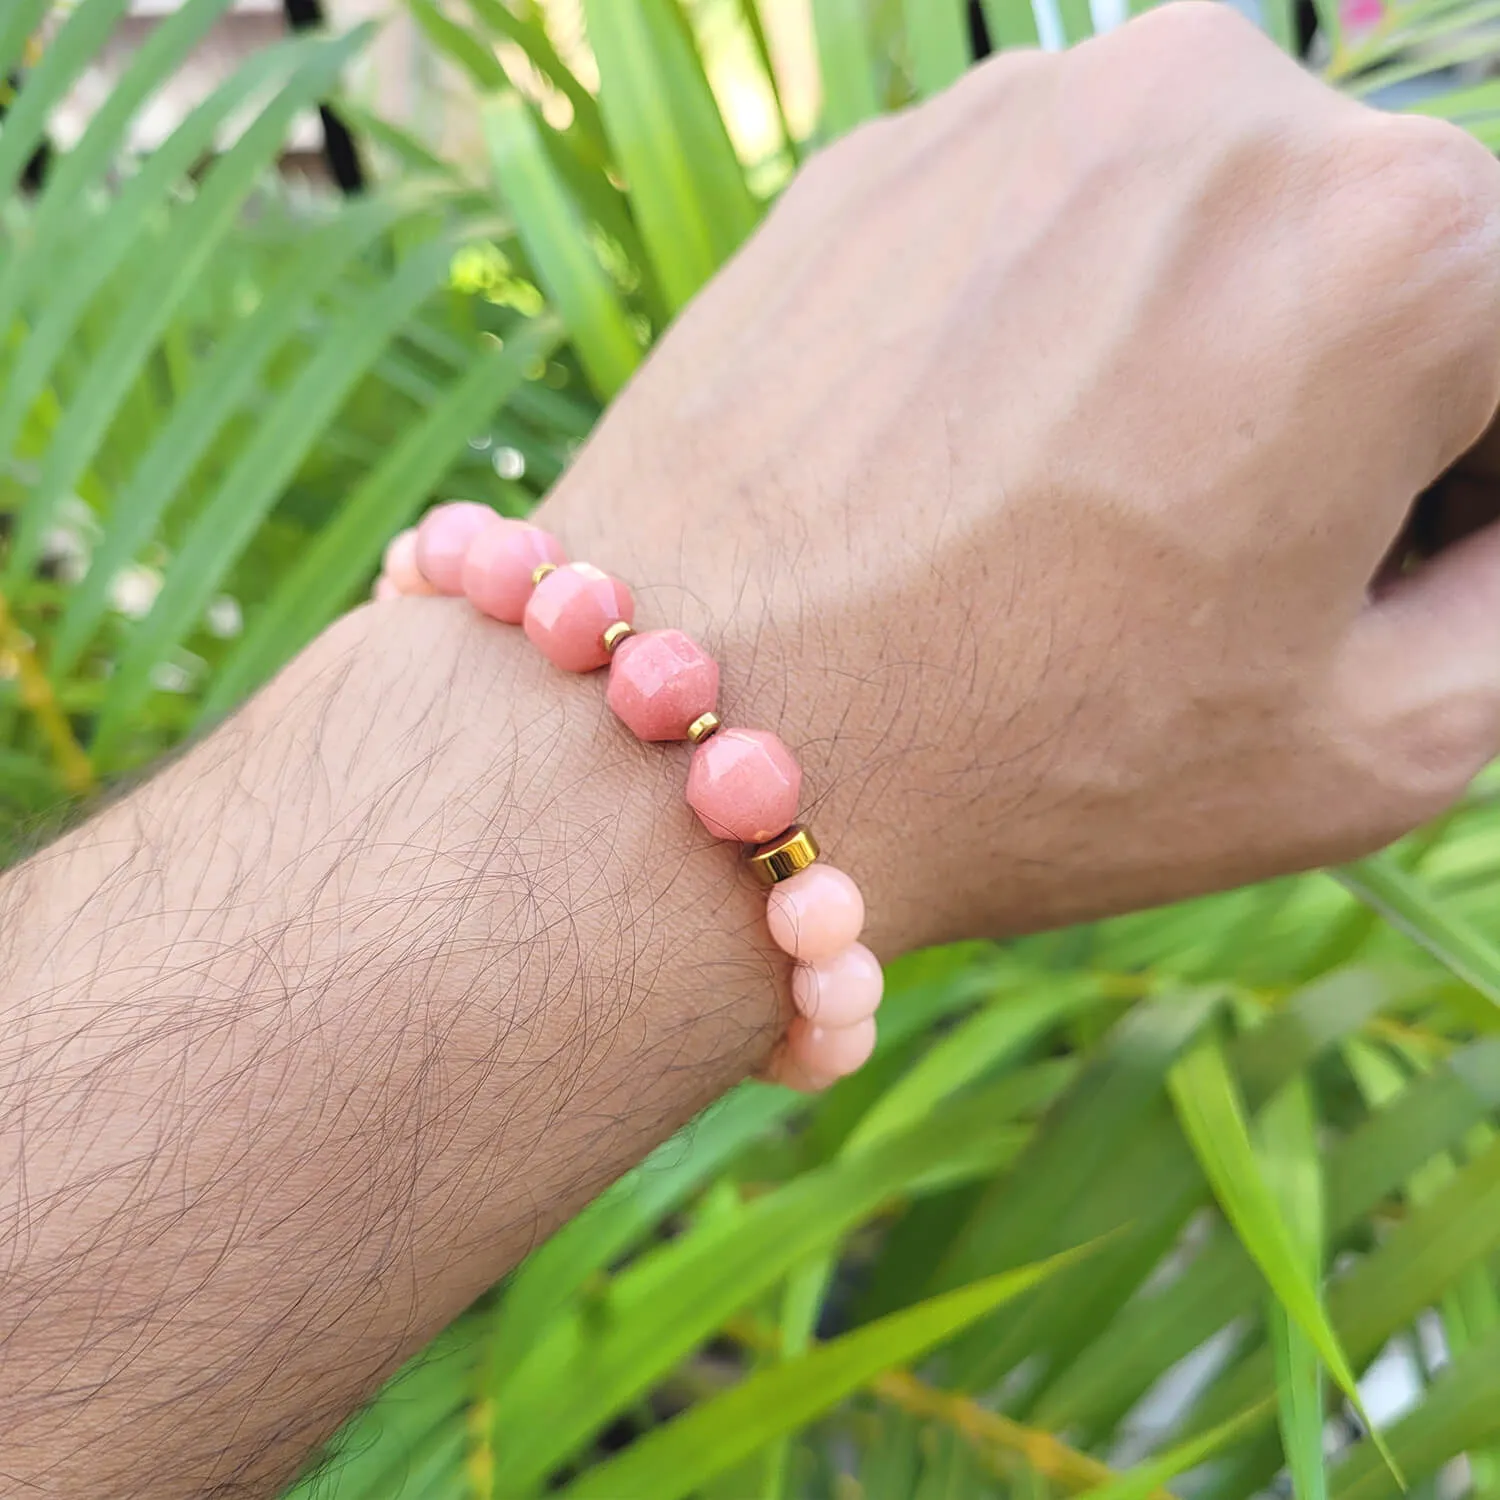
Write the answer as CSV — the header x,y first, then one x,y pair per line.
x,y
815,914
743,784
785,1070
499,563
829,1051
841,990
384,589
443,541
400,564
569,611
659,682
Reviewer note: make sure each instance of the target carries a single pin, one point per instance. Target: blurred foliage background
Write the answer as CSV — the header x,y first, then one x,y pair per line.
x,y
1206,1198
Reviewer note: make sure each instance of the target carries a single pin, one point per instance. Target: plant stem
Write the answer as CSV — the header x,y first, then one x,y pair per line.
x,y
1043,1453
73,764
984,1429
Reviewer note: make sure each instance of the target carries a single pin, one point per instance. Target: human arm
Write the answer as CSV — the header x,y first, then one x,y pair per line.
x,y
1050,563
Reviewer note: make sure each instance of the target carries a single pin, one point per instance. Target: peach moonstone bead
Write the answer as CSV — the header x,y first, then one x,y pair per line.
x,y
743,784
499,564
444,538
659,682
815,914
820,1052
569,611
783,1068
400,564
841,990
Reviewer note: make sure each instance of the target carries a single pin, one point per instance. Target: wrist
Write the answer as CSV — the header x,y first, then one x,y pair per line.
x,y
559,850
743,784
872,745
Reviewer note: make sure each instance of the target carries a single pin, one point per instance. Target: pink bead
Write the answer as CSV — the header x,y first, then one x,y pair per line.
x,y
401,564
660,682
568,613
784,1069
829,1051
743,784
815,914
840,990
499,563
384,589
443,541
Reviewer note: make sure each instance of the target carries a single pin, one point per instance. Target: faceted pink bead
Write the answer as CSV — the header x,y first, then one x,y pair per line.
x,y
815,914
443,540
568,613
743,784
400,564
829,1051
499,563
840,990
660,682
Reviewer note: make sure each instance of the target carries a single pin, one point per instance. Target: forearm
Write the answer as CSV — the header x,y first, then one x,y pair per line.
x,y
316,1034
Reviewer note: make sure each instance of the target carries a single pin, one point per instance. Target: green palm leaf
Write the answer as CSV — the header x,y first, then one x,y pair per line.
x,y
1213,1119
347,550
557,245
677,1458
685,183
257,478
166,281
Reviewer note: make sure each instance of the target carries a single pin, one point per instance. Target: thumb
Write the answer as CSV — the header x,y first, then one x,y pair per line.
x,y
1423,674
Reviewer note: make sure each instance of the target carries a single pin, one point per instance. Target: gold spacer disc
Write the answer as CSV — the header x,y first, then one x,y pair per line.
x,y
703,726
614,634
542,570
785,855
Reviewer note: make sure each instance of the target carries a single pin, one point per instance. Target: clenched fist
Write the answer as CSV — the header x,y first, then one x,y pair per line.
x,y
1038,472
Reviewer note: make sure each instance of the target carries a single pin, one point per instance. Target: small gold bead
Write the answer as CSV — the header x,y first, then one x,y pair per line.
x,y
542,570
703,726
789,852
616,633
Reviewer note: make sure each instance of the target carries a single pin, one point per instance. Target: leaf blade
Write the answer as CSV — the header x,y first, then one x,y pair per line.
x,y
682,175
135,330
846,65
670,1462
255,479
557,244
1213,1120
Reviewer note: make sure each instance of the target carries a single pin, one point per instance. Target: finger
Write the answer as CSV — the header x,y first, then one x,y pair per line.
x,y
1423,675
1454,508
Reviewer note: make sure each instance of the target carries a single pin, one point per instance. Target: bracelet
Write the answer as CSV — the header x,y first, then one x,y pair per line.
x,y
742,783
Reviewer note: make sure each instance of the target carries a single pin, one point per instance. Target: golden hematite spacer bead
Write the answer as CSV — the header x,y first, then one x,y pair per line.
x,y
614,634
789,852
703,726
541,571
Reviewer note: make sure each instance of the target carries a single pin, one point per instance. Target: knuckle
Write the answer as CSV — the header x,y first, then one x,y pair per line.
x,y
988,98
999,75
1188,34
1442,186
1421,248
826,174
1193,74
842,166
1191,24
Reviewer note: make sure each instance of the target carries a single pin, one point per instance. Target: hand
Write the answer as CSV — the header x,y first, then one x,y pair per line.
x,y
1030,469
1028,472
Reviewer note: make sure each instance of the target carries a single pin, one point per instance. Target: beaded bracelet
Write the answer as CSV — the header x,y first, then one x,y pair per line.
x,y
742,783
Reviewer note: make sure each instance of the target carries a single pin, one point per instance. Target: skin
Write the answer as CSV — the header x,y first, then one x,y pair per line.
x,y
1035,472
